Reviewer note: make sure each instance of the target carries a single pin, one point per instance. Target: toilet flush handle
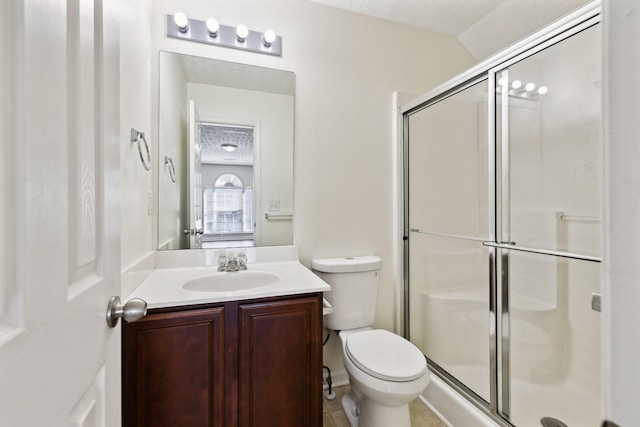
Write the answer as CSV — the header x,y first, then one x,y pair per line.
x,y
327,308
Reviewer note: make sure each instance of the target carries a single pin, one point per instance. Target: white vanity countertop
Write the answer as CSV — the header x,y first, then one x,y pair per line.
x,y
164,286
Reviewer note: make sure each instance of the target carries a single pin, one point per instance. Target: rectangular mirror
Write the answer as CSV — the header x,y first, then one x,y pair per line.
x,y
225,154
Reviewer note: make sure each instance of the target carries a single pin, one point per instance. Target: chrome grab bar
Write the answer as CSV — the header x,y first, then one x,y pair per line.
x,y
278,216
578,218
563,254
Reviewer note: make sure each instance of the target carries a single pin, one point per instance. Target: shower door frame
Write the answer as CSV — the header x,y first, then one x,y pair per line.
x,y
499,244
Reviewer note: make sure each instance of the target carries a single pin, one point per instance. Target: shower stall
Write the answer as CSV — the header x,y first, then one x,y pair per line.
x,y
503,200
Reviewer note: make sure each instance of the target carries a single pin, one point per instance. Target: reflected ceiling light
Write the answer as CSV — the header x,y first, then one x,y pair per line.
x,y
213,27
241,33
181,21
517,89
229,147
268,38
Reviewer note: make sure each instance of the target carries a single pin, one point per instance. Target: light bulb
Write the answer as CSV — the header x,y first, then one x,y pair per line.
x,y
213,27
242,32
181,21
516,84
542,90
530,87
268,38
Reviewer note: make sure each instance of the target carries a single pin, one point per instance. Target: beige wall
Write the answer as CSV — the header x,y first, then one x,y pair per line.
x,y
135,112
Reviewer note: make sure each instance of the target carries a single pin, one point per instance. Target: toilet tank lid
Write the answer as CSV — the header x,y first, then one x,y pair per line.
x,y
347,264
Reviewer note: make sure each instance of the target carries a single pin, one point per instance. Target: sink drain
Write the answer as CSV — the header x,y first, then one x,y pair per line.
x,y
552,422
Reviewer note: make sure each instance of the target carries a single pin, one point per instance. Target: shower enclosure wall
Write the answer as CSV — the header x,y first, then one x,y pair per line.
x,y
502,206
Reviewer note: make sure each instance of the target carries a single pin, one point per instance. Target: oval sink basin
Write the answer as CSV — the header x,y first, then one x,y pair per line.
x,y
231,281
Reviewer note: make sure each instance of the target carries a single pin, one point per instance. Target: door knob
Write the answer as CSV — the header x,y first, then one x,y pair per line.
x,y
132,310
199,231
185,231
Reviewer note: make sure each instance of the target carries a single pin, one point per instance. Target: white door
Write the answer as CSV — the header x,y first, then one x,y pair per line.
x,y
59,213
196,211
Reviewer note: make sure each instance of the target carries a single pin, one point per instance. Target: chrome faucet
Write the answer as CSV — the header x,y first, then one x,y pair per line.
x,y
233,263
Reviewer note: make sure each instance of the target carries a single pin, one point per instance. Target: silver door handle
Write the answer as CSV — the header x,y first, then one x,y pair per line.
x,y
199,231
132,310
187,232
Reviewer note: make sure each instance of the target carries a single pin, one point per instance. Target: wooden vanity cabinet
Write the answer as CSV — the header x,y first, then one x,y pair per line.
x,y
247,363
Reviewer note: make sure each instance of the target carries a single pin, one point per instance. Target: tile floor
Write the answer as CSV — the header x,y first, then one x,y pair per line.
x,y
333,416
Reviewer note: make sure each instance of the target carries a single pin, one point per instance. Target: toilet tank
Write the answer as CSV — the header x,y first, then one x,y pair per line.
x,y
354,290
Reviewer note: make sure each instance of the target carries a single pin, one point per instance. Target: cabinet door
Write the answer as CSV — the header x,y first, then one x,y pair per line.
x,y
280,363
172,369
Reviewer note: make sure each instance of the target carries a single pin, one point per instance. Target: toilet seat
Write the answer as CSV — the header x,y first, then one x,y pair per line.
x,y
385,355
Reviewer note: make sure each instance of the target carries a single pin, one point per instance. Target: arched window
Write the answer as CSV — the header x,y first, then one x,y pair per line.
x,y
228,180
232,204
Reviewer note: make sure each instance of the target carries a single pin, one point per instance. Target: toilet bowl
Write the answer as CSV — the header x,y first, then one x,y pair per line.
x,y
385,371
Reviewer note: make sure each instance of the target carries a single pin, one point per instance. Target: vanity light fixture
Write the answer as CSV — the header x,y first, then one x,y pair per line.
x,y
179,26
241,33
181,21
268,38
213,27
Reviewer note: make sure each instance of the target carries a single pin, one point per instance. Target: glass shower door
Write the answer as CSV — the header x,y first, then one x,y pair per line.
x,y
548,115
503,206
449,219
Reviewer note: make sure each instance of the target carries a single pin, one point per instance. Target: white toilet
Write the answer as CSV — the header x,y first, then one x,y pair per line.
x,y
386,371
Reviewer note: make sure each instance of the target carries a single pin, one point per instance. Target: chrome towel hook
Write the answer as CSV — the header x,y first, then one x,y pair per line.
x,y
136,137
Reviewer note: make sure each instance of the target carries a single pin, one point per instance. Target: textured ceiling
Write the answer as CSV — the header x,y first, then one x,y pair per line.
x,y
213,135
484,27
241,76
